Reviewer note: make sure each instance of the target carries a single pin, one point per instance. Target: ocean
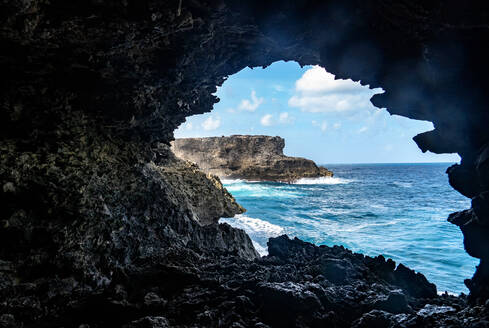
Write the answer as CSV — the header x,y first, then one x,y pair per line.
x,y
397,210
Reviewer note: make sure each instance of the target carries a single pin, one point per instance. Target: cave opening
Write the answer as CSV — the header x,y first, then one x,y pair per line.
x,y
384,195
103,227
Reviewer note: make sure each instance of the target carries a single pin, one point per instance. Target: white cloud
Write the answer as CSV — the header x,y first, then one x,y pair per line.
x,y
211,123
362,129
317,91
187,126
266,120
278,88
285,118
334,103
323,125
317,80
252,105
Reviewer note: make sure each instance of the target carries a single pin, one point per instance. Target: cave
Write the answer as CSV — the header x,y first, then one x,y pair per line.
x,y
100,226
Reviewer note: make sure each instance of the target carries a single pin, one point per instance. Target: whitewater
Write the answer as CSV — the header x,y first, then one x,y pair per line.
x,y
397,210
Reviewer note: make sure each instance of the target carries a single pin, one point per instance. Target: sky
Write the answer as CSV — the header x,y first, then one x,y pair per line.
x,y
323,119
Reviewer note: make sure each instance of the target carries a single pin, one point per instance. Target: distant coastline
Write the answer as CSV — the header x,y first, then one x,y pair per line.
x,y
248,157
386,163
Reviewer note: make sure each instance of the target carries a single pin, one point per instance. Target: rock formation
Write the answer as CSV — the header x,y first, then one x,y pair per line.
x,y
201,195
93,233
256,158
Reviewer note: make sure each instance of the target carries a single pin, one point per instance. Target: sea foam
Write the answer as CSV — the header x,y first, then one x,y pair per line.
x,y
231,181
258,230
403,184
253,225
262,190
322,181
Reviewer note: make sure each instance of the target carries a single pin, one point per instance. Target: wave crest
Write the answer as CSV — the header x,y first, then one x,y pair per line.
x,y
253,225
322,181
231,181
403,184
258,230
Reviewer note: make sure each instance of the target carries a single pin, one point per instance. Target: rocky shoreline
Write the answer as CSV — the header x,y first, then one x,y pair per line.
x,y
248,157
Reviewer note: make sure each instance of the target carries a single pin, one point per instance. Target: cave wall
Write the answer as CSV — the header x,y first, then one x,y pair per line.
x,y
89,90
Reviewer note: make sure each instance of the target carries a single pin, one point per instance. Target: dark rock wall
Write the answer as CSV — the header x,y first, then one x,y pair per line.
x,y
78,218
89,89
201,195
249,157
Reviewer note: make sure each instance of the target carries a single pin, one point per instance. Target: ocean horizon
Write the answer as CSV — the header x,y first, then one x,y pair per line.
x,y
398,210
394,163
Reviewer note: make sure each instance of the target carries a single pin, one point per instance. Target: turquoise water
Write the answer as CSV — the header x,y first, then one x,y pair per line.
x,y
398,210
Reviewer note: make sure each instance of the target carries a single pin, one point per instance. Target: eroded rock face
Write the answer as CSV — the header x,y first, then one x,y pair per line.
x,y
75,222
257,158
92,231
200,194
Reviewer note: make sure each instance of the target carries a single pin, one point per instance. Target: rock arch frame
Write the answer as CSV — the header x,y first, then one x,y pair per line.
x,y
93,90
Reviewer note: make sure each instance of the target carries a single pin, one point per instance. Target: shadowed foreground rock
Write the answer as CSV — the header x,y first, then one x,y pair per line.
x,y
296,285
249,157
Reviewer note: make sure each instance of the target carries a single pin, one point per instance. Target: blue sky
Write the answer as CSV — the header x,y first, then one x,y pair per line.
x,y
326,120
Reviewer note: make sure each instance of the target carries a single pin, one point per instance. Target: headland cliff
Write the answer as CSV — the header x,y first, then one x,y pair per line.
x,y
250,157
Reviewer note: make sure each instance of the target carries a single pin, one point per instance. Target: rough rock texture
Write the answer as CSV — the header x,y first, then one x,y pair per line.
x,y
75,221
202,195
91,230
296,285
249,157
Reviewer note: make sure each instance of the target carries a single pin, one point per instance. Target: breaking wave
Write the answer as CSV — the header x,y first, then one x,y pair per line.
x,y
231,181
258,230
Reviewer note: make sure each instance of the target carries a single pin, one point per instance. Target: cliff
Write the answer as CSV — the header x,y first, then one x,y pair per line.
x,y
249,157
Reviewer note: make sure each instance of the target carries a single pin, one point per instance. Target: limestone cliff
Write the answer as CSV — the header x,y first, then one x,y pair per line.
x,y
250,157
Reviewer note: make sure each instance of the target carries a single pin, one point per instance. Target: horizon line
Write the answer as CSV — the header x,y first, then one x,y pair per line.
x,y
387,163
